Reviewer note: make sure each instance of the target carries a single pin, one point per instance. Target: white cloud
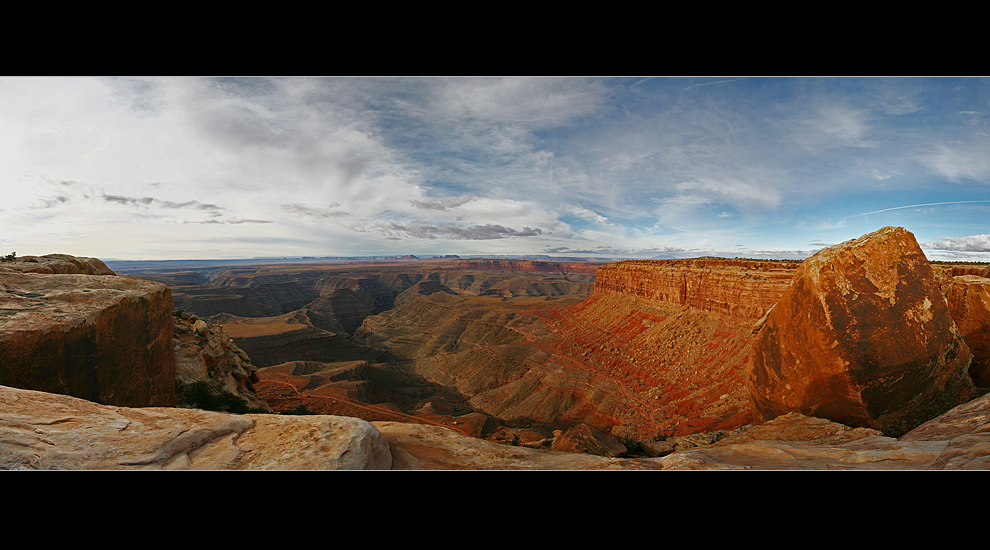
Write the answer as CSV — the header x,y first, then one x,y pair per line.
x,y
968,243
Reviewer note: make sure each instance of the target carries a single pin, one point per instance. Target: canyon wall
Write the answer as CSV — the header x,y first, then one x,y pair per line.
x,y
741,291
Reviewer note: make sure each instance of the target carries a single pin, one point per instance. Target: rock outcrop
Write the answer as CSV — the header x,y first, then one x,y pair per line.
x,y
61,264
212,372
103,338
862,336
968,297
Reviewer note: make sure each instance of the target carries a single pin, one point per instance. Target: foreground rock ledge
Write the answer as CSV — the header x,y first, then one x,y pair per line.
x,y
44,431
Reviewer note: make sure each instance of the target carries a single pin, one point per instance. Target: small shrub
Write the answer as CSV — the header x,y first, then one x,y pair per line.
x,y
301,409
201,396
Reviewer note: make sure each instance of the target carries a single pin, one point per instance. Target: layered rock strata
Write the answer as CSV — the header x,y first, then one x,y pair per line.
x,y
103,338
968,297
862,336
739,290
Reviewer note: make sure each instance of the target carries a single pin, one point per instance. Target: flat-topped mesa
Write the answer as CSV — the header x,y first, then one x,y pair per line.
x,y
739,290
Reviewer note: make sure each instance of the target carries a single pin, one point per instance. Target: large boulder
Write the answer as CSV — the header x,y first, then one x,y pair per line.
x,y
968,297
863,337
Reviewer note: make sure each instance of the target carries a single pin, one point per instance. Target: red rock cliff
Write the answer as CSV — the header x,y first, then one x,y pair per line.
x,y
741,291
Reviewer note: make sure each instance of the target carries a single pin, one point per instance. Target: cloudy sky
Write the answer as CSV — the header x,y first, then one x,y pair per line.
x,y
198,168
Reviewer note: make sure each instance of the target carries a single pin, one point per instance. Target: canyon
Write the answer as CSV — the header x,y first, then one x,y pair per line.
x,y
483,364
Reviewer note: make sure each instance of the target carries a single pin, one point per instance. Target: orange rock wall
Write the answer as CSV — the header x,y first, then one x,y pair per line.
x,y
740,291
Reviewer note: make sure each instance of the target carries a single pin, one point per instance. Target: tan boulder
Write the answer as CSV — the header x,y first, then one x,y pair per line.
x,y
44,431
968,297
862,336
585,439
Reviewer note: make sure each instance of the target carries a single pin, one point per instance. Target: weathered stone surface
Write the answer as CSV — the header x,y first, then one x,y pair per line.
x,y
423,447
208,361
55,432
798,427
956,440
44,431
62,264
965,430
585,439
862,336
99,337
968,297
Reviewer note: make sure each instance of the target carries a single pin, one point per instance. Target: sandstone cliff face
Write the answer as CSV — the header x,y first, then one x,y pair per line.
x,y
863,336
968,297
738,290
99,337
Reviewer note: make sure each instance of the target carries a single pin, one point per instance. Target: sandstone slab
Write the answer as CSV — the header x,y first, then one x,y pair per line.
x,y
862,336
44,431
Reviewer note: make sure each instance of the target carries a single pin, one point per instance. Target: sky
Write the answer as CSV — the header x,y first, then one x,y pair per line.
x,y
158,168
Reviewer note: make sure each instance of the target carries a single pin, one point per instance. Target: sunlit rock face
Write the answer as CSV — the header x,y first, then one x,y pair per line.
x,y
863,336
737,290
968,297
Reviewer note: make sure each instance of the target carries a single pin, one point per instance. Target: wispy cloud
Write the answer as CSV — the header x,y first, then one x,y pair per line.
x,y
440,204
640,165
453,231
318,213
151,201
915,206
